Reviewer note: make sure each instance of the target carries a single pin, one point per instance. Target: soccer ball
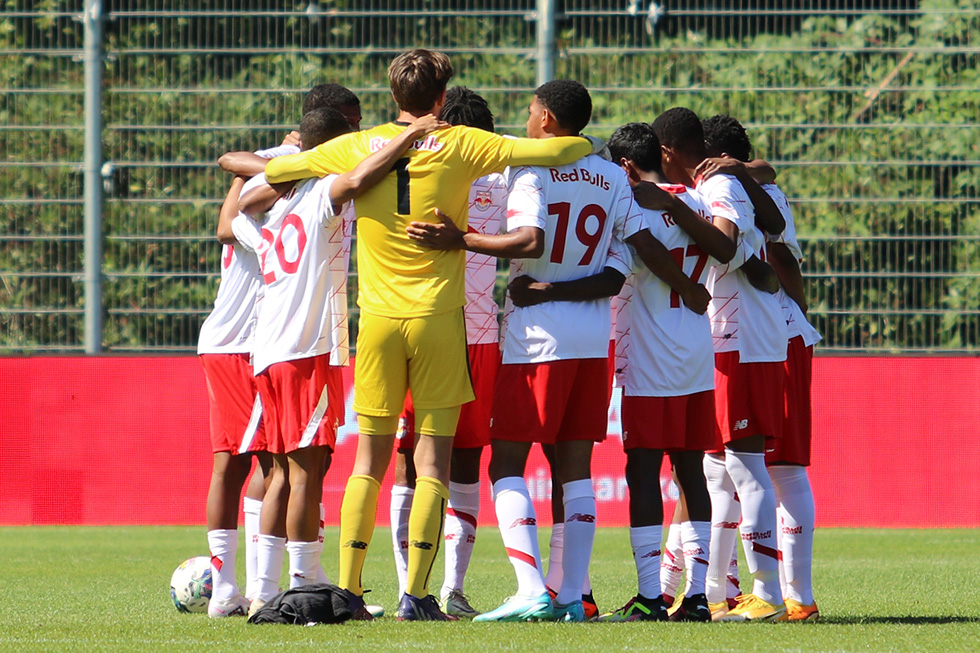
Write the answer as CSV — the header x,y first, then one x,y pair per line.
x,y
190,586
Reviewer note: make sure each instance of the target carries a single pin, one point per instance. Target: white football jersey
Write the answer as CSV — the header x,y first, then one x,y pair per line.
x,y
796,322
664,349
743,319
230,326
304,248
488,207
586,210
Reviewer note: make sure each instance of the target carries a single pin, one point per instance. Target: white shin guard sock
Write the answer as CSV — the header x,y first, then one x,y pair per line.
x,y
758,527
796,517
579,501
252,508
518,526
304,562
725,515
223,544
271,550
460,532
647,543
671,562
556,548
401,508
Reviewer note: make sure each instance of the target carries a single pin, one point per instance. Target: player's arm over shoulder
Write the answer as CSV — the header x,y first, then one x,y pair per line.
x,y
335,156
487,152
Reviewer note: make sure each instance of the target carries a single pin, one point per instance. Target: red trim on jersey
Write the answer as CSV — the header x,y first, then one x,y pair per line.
x,y
674,189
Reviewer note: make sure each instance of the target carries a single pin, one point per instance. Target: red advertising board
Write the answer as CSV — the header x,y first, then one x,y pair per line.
x,y
107,440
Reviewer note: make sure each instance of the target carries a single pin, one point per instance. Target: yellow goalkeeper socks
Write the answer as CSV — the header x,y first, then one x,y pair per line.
x,y
357,513
424,532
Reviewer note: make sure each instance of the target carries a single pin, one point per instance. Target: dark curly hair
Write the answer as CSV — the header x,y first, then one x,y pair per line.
x,y
329,95
568,101
466,107
680,128
637,142
725,135
320,125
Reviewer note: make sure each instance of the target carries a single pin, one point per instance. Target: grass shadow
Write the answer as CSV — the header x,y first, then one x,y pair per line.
x,y
911,620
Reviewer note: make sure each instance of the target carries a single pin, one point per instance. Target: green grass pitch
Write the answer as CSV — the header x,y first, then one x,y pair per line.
x,y
97,589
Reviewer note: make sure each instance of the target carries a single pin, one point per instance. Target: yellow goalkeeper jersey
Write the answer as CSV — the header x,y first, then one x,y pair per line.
x,y
397,277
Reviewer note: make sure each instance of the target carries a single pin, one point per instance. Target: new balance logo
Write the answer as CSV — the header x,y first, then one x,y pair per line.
x,y
791,530
524,521
740,425
588,519
696,551
726,524
425,546
355,544
651,554
755,535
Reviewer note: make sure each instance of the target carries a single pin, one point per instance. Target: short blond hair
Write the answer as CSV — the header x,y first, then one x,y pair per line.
x,y
417,79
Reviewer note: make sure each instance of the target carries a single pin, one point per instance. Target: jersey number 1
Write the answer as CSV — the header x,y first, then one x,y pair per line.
x,y
404,196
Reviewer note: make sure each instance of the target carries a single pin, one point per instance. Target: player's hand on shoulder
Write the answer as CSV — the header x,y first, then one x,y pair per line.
x,y
651,196
697,298
443,235
427,124
525,291
292,138
721,165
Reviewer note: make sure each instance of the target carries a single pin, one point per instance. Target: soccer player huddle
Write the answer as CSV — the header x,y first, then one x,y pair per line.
x,y
664,257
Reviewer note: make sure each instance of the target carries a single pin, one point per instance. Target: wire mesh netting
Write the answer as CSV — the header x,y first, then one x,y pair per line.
x,y
868,110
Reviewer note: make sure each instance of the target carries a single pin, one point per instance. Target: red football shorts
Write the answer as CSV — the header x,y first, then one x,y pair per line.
x,y
556,401
683,423
748,398
234,414
473,429
794,446
303,403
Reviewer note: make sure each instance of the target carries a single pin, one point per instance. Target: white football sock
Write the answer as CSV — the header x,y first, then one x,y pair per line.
x,y
223,544
555,549
672,562
401,508
697,538
321,575
647,543
460,532
579,501
758,528
271,550
519,530
304,562
796,515
251,508
725,515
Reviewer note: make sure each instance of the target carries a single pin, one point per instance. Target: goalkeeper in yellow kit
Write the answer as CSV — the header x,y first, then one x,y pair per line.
x,y
411,331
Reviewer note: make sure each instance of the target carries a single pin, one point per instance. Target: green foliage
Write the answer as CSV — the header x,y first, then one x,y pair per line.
x,y
877,149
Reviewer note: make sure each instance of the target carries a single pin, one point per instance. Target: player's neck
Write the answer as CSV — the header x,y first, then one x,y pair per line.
x,y
679,175
652,176
407,117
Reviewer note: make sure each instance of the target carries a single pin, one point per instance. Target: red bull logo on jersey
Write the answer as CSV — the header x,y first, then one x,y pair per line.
x,y
428,144
579,174
482,201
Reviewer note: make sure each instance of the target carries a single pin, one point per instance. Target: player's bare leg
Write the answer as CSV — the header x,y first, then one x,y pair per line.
x,y
306,468
228,475
460,528
746,465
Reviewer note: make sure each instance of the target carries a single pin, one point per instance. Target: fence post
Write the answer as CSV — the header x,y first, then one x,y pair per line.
x,y
93,58
546,41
